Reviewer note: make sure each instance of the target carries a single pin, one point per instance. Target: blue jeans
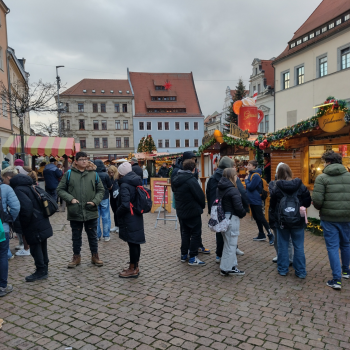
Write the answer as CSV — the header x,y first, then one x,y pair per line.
x,y
4,264
299,262
104,213
144,182
337,236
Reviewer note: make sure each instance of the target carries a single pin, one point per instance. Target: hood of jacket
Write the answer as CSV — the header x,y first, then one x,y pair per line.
x,y
100,167
178,163
224,184
180,178
334,169
21,180
289,187
50,166
218,174
90,167
257,170
131,178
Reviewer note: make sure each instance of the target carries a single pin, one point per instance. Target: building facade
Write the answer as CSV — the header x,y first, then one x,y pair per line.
x,y
167,107
99,116
314,65
214,122
262,81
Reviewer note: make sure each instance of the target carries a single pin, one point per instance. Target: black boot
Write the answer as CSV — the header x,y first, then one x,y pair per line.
x,y
37,275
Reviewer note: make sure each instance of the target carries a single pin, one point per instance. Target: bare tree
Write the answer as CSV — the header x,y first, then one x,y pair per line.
x,y
23,98
49,128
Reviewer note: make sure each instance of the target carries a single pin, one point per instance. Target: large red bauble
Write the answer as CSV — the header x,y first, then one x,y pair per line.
x,y
265,142
262,146
256,143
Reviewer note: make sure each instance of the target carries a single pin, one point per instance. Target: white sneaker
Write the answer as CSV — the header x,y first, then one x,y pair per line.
x,y
239,252
195,262
23,252
106,239
274,259
19,247
114,229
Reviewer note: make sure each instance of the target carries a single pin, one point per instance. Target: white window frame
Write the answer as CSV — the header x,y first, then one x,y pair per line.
x,y
143,126
282,79
161,140
189,126
175,126
161,123
168,126
179,142
339,50
318,59
194,144
194,126
146,126
168,145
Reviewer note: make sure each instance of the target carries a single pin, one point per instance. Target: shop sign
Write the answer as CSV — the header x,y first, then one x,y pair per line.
x,y
332,122
238,132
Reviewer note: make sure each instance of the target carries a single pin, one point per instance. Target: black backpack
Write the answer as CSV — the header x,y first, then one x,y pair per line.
x,y
289,211
143,201
48,204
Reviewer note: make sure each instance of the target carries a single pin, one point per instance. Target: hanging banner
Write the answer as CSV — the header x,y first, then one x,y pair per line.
x,y
332,122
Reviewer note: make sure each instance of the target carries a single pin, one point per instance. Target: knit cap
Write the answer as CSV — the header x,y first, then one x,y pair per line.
x,y
18,162
279,164
124,168
226,162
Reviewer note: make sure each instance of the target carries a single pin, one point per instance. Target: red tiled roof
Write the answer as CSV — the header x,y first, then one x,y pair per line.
x,y
323,14
99,84
266,65
165,104
182,85
162,93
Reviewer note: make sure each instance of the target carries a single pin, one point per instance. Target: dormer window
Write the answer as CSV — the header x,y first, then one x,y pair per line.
x,y
299,42
128,92
103,91
318,32
331,26
312,35
338,21
292,45
120,91
112,91
93,91
346,18
159,87
324,29
84,91
306,38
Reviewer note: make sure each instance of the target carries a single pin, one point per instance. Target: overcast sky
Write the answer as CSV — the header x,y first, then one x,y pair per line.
x,y
215,39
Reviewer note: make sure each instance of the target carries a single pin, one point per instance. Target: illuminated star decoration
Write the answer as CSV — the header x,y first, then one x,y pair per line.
x,y
167,85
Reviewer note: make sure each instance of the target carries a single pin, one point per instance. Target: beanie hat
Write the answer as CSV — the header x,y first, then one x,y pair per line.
x,y
19,162
279,164
226,162
188,155
124,168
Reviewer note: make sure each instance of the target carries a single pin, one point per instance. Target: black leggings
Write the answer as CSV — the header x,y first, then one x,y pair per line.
x,y
135,252
259,217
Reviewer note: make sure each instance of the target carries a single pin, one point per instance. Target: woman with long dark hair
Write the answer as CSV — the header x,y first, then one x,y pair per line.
x,y
113,194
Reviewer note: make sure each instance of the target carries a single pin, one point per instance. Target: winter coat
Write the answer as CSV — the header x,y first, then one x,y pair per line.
x,y
82,186
131,228
254,187
145,174
137,170
189,197
10,204
331,194
290,187
4,164
52,176
272,215
179,161
113,201
105,179
163,172
36,227
267,172
231,198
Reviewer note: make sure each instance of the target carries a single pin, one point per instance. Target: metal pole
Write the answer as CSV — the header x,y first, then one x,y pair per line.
x,y
58,79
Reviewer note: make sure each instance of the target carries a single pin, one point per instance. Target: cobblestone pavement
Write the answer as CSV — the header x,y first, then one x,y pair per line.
x,y
173,305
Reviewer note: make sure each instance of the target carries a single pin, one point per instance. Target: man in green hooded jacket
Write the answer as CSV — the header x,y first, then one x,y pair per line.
x,y
331,196
83,192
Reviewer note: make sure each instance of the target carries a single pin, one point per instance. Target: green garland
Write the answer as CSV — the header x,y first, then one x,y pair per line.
x,y
202,148
314,226
338,105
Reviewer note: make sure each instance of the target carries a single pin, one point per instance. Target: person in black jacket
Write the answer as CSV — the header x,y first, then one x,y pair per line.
x,y
233,208
190,202
103,207
36,227
136,168
287,185
131,228
267,169
163,171
113,194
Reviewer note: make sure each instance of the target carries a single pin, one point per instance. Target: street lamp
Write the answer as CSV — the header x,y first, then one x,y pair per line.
x,y
58,79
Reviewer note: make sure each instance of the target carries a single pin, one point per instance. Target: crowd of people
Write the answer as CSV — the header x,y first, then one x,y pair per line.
x,y
89,190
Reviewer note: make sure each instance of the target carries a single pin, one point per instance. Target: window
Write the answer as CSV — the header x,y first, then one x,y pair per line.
x,y
160,143
300,75
125,125
94,108
323,66
262,126
97,142
286,80
105,142
149,125
292,45
172,98
299,42
1,61
306,38
267,123
81,124
187,143
345,58
256,71
167,144
195,142
177,126
82,144
160,87
126,142
346,18
103,108
195,126
338,21
80,107
254,88
166,125
141,126
116,107
259,88
177,142
187,126
67,107
318,32
312,35
324,29
117,125
68,124
104,124
125,108
95,124
160,126
331,26
118,142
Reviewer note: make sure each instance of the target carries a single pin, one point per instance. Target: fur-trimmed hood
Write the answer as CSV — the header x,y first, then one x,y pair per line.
x,y
90,167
